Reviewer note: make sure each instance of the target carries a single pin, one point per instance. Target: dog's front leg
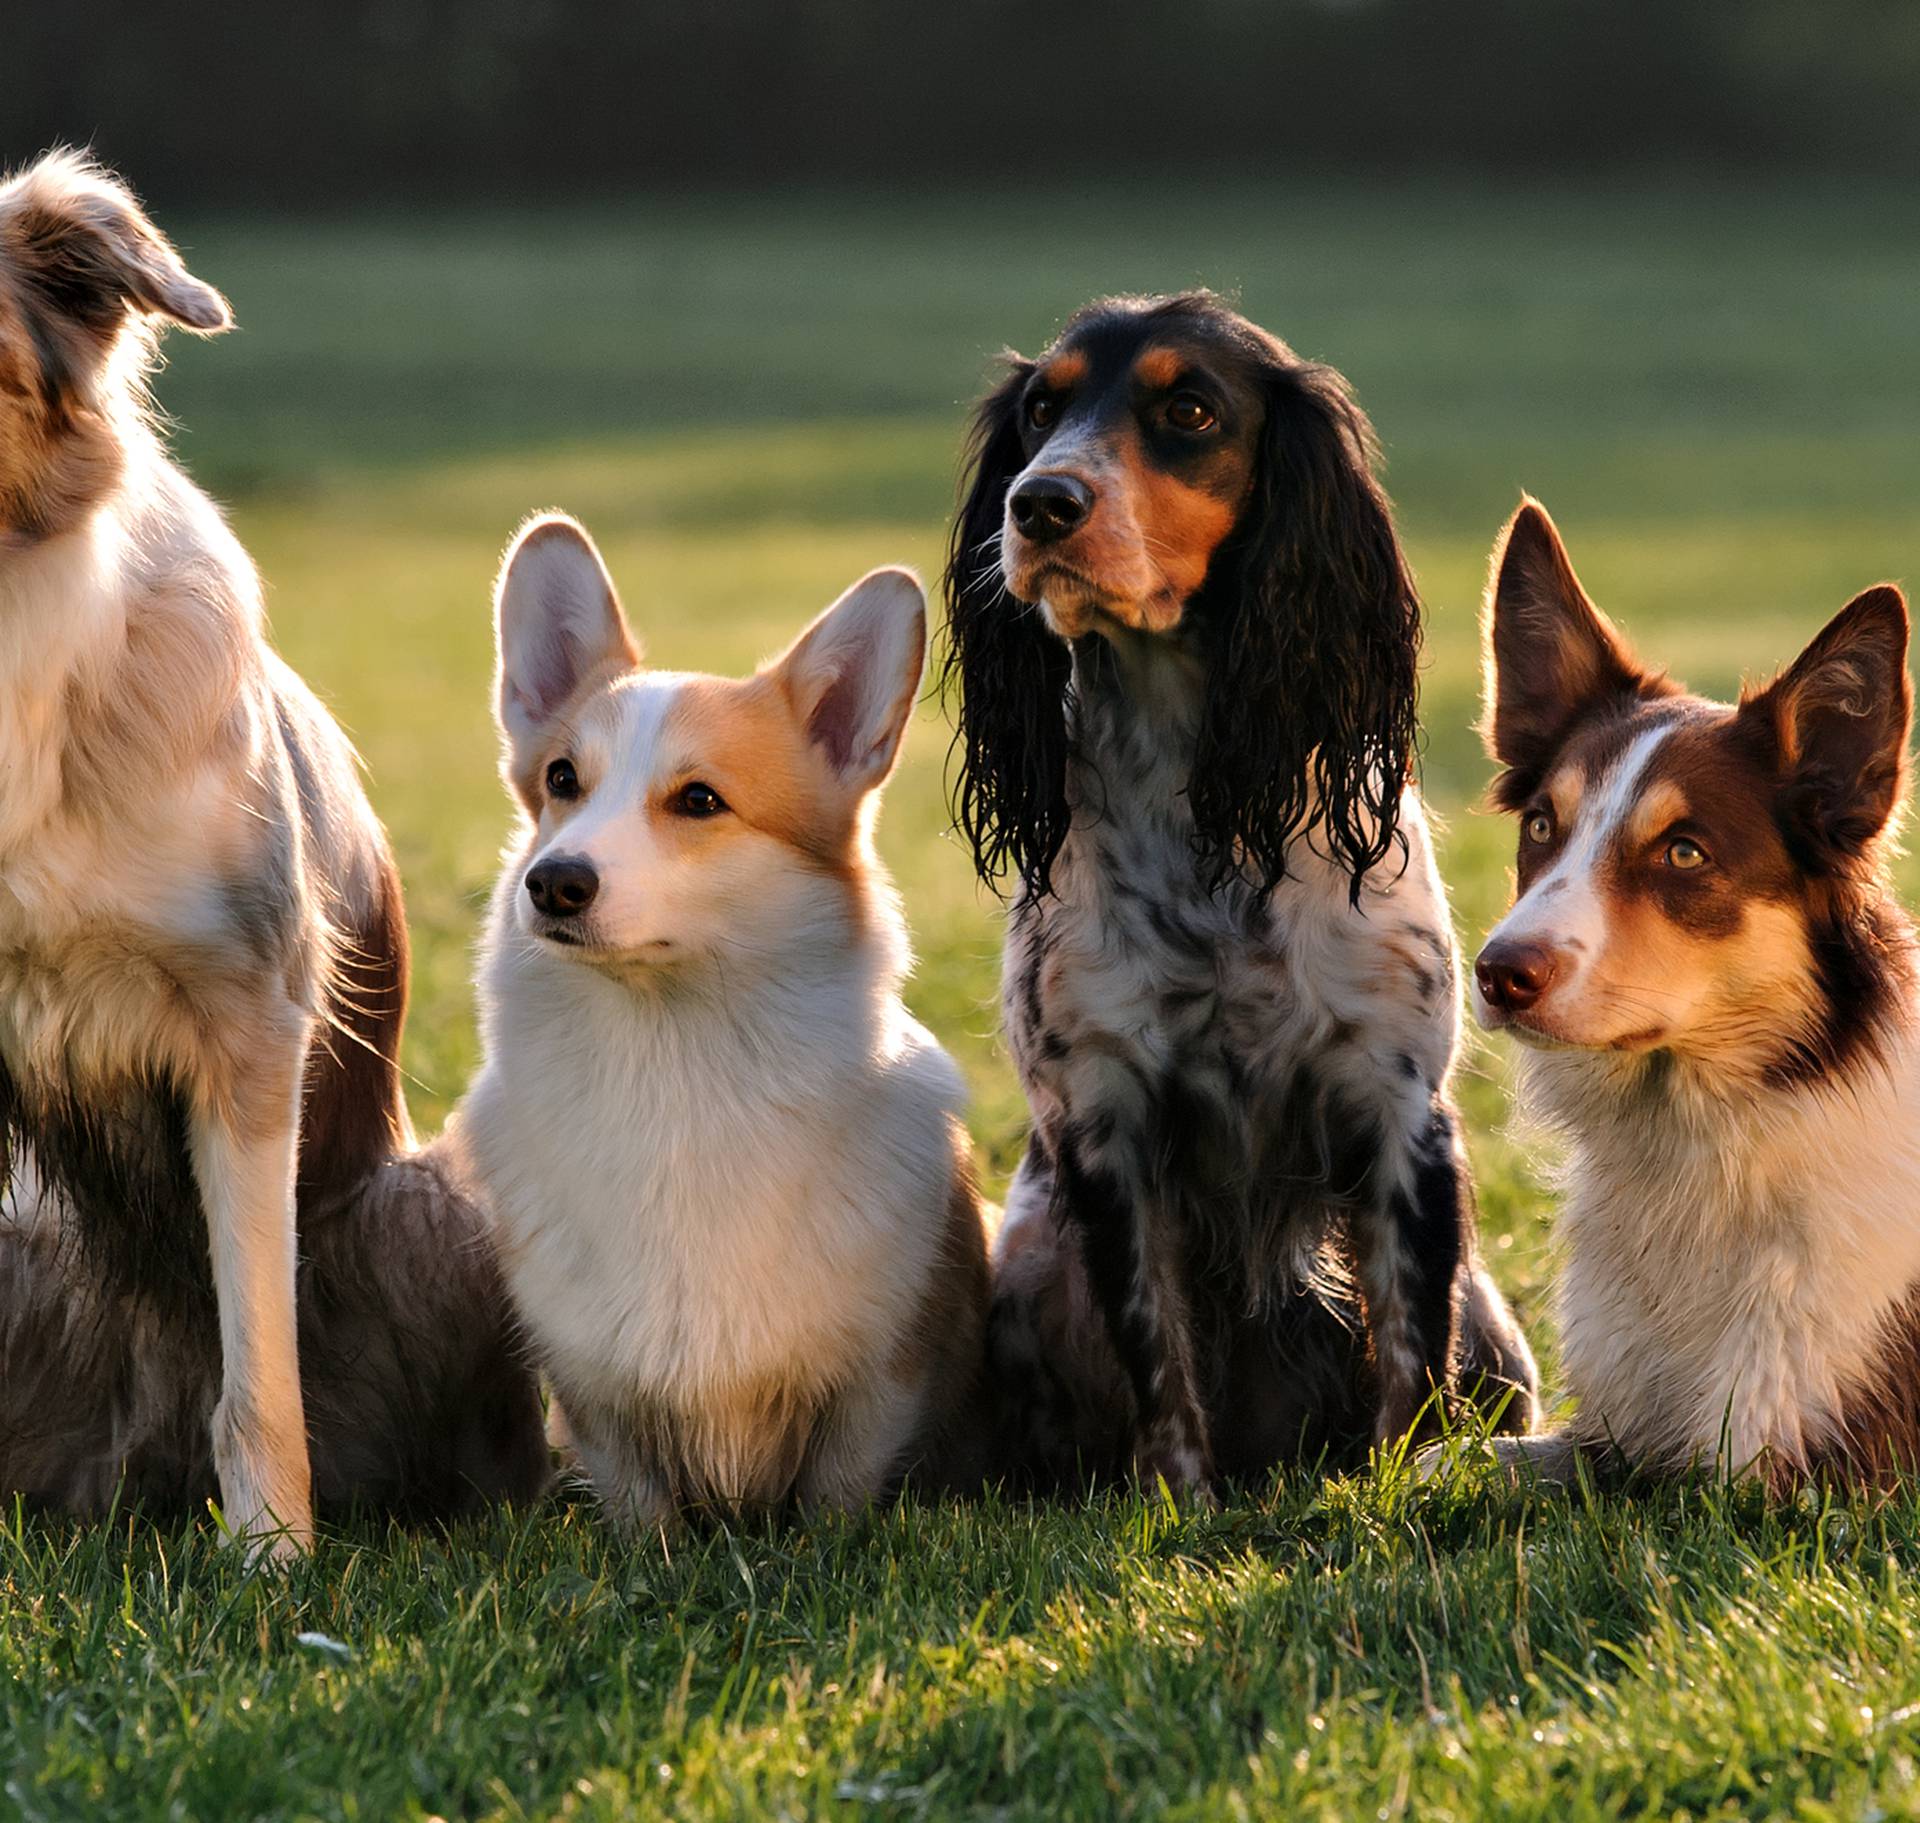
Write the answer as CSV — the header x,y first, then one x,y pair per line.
x,y
244,1144
1409,1236
1130,1247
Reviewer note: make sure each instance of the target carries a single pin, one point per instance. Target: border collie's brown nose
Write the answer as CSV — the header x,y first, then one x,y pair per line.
x,y
1048,507
1513,975
563,886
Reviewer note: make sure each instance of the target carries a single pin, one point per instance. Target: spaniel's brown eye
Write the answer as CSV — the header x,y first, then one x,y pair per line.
x,y
562,780
1186,412
1042,410
699,800
1538,827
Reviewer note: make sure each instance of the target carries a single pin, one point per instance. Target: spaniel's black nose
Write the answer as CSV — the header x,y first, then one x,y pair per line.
x,y
563,886
1046,508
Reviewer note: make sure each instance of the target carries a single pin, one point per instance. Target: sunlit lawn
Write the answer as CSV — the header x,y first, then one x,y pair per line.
x,y
1718,395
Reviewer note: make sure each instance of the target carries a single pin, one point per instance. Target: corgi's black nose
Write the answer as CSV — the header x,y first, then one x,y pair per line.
x,y
1513,974
562,886
1047,507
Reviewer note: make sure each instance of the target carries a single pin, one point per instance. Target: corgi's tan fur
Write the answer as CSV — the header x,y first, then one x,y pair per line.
x,y
201,948
733,1186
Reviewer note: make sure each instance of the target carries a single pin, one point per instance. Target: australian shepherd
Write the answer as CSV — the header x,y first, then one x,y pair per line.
x,y
217,1245
730,1173
1715,993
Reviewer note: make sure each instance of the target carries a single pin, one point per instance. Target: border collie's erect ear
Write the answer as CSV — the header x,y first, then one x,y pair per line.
x,y
76,235
852,675
1836,723
557,623
1309,723
1550,655
1007,669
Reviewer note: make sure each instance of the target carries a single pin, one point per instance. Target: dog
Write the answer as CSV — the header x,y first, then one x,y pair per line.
x,y
1715,994
1183,642
734,1191
221,1258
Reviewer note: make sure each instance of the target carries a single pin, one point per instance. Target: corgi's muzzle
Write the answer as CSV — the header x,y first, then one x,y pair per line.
x,y
560,889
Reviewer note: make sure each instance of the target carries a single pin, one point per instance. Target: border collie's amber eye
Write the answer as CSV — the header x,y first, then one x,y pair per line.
x,y
698,800
1538,827
1685,855
562,780
1186,412
1042,409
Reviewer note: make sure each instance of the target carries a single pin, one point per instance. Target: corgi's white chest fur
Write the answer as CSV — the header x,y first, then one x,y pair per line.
x,y
1731,1279
699,1197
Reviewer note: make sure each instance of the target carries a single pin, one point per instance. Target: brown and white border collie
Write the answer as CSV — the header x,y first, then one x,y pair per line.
x,y
1715,989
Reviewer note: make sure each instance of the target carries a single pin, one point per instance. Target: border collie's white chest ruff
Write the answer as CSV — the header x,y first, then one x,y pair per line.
x,y
1719,996
729,1169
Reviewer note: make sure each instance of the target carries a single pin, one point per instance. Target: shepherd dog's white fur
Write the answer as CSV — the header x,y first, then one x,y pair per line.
x,y
729,1169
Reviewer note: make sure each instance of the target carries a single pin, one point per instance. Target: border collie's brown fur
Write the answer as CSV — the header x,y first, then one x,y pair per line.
x,y
1718,994
203,971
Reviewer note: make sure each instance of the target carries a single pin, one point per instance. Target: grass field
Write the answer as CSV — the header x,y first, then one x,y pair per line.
x,y
1716,391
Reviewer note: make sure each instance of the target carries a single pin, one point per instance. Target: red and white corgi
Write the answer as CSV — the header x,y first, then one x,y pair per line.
x,y
1716,993
733,1186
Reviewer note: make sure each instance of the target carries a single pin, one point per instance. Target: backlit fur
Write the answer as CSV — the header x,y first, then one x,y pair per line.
x,y
1720,1016
202,979
733,1187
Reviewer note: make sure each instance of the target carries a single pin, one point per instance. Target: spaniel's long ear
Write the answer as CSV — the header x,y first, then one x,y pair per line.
x,y
1551,656
1004,673
1309,722
91,255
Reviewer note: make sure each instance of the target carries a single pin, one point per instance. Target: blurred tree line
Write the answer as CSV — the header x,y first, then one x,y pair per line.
x,y
235,101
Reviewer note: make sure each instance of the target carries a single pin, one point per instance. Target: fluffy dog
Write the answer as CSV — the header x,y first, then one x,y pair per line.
x,y
1716,996
729,1169
210,1177
1184,640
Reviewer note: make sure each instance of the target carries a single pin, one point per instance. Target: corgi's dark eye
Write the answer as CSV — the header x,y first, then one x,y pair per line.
x,y
1042,410
562,780
1189,412
699,800
1538,827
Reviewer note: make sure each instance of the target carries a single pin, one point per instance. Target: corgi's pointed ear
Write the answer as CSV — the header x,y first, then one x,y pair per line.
x,y
853,674
557,622
1835,724
89,252
1550,655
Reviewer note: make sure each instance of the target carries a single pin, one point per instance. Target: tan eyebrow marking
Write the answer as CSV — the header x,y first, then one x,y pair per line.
x,y
1664,804
1564,792
1064,370
1160,366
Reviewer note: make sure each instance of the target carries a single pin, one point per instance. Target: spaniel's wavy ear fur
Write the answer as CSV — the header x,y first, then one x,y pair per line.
x,y
1309,725
1006,669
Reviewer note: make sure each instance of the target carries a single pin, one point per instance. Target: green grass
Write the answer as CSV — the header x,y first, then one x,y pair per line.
x,y
1716,391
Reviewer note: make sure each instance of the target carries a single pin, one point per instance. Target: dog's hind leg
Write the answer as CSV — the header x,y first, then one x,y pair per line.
x,y
243,1146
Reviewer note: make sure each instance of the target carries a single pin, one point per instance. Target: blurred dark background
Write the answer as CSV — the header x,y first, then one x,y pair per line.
x,y
233,102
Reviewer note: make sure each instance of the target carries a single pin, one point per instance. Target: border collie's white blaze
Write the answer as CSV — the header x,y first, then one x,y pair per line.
x,y
1717,995
730,1170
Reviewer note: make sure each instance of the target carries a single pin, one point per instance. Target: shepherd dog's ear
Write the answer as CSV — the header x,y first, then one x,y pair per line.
x,y
1004,670
1835,724
91,255
1551,657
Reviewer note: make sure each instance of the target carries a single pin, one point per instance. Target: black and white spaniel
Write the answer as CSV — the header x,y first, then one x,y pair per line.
x,y
1184,642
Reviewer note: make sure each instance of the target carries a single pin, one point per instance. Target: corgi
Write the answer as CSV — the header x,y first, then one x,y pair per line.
x,y
733,1188
1715,996
222,1260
